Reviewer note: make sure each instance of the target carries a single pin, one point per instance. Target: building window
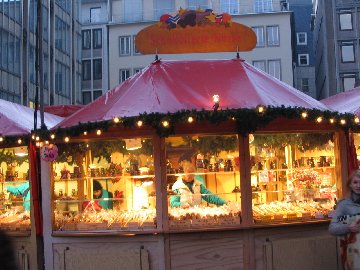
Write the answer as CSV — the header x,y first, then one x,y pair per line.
x,y
136,70
135,50
348,81
124,74
97,63
133,10
86,70
86,97
97,94
301,38
303,59
124,45
263,6
260,64
347,52
163,7
95,14
86,39
196,4
305,85
97,38
272,33
345,20
274,68
230,6
260,36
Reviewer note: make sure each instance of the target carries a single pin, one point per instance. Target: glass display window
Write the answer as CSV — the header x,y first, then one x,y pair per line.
x,y
203,181
293,176
104,185
15,189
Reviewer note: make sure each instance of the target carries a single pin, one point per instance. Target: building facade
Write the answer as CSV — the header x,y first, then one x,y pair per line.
x,y
336,46
268,18
304,69
60,51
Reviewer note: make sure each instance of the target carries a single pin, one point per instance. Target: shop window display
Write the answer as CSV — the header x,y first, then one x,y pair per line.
x,y
104,185
14,189
203,181
292,176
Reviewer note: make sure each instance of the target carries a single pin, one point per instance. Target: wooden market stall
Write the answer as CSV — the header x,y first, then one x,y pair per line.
x,y
17,216
276,156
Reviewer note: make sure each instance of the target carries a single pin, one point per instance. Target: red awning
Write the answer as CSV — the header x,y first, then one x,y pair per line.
x,y
345,102
171,86
62,110
16,119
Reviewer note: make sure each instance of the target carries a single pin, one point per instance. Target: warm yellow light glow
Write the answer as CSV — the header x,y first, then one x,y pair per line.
x,y
332,121
216,98
19,141
66,139
357,121
261,109
47,142
139,123
343,121
233,118
116,119
1,139
37,144
37,138
85,133
98,132
165,123
33,137
304,114
52,136
319,119
190,119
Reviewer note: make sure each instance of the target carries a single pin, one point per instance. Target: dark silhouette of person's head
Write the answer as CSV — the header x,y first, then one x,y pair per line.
x,y
7,253
97,189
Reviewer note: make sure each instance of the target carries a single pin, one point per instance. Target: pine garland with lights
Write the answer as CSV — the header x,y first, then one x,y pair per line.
x,y
247,120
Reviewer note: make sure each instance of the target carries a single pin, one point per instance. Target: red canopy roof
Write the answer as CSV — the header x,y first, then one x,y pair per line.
x,y
62,110
171,86
345,102
16,119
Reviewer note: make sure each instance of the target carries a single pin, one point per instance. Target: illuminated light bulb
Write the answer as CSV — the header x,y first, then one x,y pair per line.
x,y
98,132
304,114
85,133
343,121
66,139
116,119
33,137
357,120
1,139
332,121
190,119
261,109
165,123
37,138
19,141
319,119
47,142
139,123
87,145
37,144
233,118
52,136
216,98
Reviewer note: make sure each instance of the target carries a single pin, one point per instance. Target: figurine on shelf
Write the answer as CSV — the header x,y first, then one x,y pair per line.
x,y
22,190
103,195
191,192
65,173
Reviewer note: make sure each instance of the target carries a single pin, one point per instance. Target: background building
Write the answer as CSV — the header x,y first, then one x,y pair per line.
x,y
336,43
304,69
61,58
270,21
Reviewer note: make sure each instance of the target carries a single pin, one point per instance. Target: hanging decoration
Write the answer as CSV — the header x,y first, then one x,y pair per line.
x,y
49,152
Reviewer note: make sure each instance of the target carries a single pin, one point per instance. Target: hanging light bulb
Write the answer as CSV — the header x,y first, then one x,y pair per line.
x,y
343,121
116,119
85,133
165,123
52,136
66,139
19,141
98,132
139,123
331,120
304,114
319,119
190,119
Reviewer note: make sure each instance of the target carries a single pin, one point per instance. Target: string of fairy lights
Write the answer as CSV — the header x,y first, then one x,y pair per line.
x,y
247,121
